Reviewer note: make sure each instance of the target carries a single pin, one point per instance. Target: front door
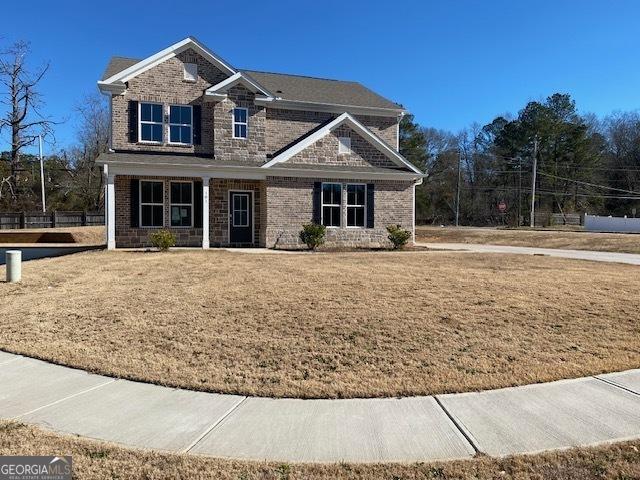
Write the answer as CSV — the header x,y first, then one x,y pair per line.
x,y
241,217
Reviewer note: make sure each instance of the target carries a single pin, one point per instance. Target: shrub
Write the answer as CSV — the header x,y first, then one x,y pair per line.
x,y
313,235
398,236
162,240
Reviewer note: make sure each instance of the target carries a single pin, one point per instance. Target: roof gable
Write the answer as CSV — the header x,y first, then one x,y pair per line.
x,y
321,132
220,89
169,52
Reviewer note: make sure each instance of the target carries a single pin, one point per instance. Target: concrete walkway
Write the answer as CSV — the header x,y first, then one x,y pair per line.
x,y
562,414
596,256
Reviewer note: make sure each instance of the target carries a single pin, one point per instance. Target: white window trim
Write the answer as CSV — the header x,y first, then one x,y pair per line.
x,y
179,125
322,204
346,206
247,196
140,122
344,149
234,123
184,73
171,204
140,204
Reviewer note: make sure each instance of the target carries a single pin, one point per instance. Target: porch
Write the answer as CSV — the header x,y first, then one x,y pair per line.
x,y
200,211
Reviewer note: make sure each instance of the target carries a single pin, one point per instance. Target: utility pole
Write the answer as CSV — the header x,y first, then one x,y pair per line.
x,y
44,207
533,181
519,191
458,190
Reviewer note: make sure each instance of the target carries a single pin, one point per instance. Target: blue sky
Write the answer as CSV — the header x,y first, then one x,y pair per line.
x,y
450,62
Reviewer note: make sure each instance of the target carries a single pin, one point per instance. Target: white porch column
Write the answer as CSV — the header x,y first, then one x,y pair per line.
x,y
110,216
205,212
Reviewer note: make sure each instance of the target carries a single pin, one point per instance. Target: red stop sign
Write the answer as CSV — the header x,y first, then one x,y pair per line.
x,y
502,206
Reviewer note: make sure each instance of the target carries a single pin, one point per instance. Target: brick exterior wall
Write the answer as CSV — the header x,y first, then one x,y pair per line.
x,y
135,237
285,126
289,204
164,84
325,151
249,150
269,129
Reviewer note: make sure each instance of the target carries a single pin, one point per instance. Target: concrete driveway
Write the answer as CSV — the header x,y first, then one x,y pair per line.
x,y
596,256
527,419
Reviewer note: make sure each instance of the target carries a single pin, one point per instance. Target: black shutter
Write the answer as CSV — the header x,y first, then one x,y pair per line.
x,y
135,202
370,205
317,198
197,125
197,204
133,121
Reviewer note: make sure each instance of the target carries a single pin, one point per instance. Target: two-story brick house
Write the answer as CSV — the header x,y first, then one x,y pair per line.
x,y
228,157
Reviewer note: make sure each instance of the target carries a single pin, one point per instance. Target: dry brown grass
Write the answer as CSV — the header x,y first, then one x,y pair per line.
x,y
325,325
93,460
574,240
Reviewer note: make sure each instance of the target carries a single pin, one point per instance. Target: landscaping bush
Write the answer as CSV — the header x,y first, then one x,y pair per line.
x,y
398,236
313,235
162,240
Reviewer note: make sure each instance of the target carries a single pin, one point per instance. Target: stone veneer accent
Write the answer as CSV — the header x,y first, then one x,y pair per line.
x,y
285,126
325,151
134,237
289,205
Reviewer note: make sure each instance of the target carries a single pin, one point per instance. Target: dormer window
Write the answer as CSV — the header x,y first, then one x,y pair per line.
x,y
344,145
240,122
190,72
151,124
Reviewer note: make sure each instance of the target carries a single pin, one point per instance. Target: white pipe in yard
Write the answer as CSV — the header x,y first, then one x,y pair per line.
x,y
14,265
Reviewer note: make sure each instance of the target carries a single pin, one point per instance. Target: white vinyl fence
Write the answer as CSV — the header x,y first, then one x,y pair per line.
x,y
595,223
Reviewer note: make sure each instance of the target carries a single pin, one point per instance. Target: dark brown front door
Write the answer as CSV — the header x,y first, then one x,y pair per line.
x,y
241,218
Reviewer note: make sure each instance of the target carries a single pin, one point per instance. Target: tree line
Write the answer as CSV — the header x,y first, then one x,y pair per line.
x,y
585,164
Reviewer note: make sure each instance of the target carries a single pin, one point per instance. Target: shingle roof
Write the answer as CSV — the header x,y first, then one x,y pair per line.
x,y
118,64
340,168
171,159
320,90
295,87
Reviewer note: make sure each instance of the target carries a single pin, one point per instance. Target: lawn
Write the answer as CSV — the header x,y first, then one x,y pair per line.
x,y
575,240
93,460
325,325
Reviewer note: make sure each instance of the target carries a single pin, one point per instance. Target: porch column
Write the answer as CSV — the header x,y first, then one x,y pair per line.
x,y
205,212
110,216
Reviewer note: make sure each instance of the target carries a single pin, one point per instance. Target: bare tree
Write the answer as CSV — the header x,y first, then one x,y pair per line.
x,y
23,101
93,139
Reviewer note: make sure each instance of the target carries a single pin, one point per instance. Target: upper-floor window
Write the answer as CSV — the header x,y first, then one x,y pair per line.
x,y
190,72
151,125
331,204
151,203
180,124
240,122
356,204
344,145
181,204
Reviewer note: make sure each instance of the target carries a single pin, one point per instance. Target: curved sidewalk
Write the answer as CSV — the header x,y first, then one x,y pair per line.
x,y
593,255
526,419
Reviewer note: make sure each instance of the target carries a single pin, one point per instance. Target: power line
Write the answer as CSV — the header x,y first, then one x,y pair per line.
x,y
590,184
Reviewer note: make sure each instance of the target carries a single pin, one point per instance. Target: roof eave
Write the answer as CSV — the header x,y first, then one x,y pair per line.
x,y
332,107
